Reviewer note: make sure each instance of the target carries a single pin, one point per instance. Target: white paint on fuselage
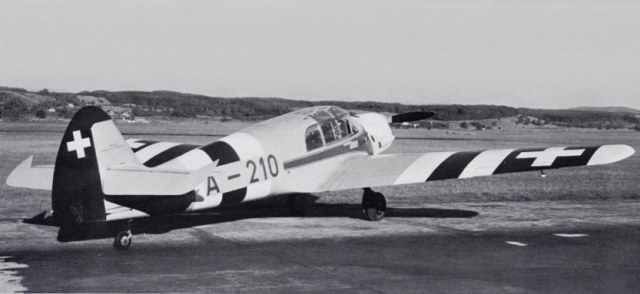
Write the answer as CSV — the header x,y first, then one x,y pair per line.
x,y
192,160
377,127
313,176
247,148
284,138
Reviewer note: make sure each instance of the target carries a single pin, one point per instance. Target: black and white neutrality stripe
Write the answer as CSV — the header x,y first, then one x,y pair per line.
x,y
224,153
453,165
155,153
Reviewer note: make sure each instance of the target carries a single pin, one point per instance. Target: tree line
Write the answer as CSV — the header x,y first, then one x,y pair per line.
x,y
181,105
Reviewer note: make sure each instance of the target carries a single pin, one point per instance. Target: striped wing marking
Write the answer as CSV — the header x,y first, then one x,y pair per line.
x,y
397,169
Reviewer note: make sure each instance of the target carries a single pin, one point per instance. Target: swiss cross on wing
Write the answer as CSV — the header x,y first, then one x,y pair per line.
x,y
548,156
78,144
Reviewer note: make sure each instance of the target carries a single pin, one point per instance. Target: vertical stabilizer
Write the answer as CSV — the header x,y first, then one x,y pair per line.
x,y
76,194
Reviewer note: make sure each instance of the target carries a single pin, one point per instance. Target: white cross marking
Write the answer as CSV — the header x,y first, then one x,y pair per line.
x,y
78,144
549,155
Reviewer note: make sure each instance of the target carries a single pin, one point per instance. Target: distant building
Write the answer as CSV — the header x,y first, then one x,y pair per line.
x,y
141,120
92,100
118,113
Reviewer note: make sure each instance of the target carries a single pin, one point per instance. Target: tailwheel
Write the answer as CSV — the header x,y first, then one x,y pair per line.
x,y
123,240
374,205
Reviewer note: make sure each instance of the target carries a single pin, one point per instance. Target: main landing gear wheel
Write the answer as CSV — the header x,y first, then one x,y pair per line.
x,y
123,240
373,205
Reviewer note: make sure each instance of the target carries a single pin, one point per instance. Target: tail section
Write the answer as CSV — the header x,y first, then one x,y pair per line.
x,y
94,161
77,196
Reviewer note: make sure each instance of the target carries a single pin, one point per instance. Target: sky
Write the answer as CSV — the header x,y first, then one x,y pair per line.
x,y
541,54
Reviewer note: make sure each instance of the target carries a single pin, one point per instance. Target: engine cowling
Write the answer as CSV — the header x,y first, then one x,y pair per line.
x,y
378,131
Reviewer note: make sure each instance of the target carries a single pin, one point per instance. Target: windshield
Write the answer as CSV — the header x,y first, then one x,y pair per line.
x,y
329,131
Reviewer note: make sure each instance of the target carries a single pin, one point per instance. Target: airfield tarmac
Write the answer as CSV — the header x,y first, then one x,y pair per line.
x,y
494,234
513,247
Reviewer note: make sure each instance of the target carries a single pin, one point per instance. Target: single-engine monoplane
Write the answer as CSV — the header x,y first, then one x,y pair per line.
x,y
101,182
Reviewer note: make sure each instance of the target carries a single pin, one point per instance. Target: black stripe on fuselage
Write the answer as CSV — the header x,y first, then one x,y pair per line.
x,y
233,197
221,151
224,153
512,164
453,166
340,148
145,144
169,154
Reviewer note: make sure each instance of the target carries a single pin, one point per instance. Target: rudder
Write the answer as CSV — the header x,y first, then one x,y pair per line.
x,y
76,196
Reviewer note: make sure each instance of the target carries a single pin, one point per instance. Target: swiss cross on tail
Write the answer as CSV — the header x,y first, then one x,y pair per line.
x,y
78,144
549,155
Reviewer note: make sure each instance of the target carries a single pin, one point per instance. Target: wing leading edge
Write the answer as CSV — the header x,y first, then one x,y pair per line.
x,y
397,169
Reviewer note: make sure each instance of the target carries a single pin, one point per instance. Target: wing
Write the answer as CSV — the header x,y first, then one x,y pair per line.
x,y
397,169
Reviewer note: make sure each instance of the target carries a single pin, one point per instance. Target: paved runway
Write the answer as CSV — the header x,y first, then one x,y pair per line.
x,y
530,247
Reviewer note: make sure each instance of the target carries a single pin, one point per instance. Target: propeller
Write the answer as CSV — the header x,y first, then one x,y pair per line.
x,y
411,116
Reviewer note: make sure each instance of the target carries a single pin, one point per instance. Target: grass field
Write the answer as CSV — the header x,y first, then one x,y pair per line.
x,y
608,183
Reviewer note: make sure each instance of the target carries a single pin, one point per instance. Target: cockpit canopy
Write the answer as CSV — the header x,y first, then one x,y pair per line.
x,y
332,125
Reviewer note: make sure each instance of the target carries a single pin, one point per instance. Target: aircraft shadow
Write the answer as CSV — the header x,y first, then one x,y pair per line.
x,y
276,207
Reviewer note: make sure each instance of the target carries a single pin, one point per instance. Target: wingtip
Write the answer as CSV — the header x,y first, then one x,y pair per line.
x,y
611,153
18,171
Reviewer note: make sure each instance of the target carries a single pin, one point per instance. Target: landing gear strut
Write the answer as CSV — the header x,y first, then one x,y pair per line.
x,y
299,204
123,239
373,205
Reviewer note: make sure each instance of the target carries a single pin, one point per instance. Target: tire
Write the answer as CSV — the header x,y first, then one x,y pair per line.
x,y
375,207
373,214
123,240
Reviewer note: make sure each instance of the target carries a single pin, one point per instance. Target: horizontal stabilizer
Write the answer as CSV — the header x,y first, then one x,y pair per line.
x,y
141,180
121,173
43,219
32,177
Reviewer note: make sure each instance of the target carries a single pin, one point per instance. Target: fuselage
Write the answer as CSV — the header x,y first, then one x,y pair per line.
x,y
292,153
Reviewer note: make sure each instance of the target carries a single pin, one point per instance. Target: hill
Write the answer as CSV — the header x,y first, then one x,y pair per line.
x,y
26,97
16,103
620,109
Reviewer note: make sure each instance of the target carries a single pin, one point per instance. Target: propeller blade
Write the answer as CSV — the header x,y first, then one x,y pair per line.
x,y
411,116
